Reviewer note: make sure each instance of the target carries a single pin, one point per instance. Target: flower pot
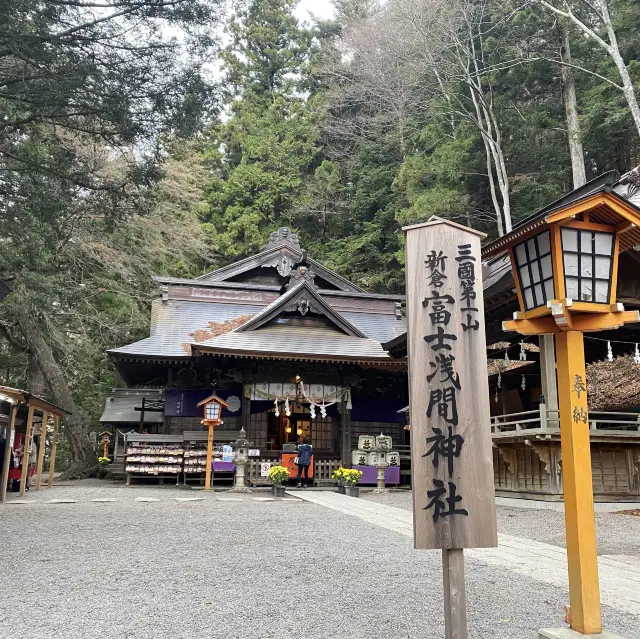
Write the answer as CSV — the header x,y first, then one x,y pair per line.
x,y
342,489
278,490
352,491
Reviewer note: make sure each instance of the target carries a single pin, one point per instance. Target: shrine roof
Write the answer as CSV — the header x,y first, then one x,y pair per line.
x,y
174,321
280,341
120,406
248,296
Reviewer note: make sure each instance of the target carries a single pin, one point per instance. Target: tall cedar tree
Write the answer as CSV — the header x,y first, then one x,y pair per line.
x,y
261,154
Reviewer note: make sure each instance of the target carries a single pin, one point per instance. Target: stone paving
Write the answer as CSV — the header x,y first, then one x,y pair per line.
x,y
91,560
619,578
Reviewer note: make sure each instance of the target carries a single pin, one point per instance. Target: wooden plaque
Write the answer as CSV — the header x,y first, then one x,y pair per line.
x,y
451,457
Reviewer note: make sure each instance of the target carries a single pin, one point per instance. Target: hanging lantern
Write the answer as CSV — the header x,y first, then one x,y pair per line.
x,y
213,410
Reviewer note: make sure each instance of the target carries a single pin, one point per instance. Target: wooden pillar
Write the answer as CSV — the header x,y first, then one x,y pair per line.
x,y
455,605
207,477
246,412
582,556
25,455
345,427
548,373
6,462
43,441
54,447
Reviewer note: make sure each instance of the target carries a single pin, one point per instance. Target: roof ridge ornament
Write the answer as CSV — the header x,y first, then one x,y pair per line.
x,y
302,273
284,235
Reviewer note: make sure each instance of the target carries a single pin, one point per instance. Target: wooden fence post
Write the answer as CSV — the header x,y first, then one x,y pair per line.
x,y
54,447
43,443
6,462
24,477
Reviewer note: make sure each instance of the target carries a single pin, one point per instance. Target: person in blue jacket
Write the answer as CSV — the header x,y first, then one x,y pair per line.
x,y
305,450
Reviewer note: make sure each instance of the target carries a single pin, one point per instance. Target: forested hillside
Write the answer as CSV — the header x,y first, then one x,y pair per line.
x,y
143,136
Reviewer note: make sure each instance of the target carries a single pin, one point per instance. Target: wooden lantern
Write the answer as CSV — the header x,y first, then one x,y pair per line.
x,y
565,266
212,408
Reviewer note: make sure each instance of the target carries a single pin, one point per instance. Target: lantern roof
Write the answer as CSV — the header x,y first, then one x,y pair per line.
x,y
213,398
607,199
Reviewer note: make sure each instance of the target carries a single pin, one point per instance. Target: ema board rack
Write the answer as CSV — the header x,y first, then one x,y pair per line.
x,y
153,456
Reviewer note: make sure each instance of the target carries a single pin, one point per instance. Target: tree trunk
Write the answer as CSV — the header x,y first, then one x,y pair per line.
x,y
36,378
77,423
627,83
571,109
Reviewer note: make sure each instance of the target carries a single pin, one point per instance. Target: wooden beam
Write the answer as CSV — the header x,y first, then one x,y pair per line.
x,y
516,279
24,477
614,269
40,404
43,442
540,326
207,476
585,323
589,226
582,557
604,321
54,447
6,462
557,263
455,605
623,227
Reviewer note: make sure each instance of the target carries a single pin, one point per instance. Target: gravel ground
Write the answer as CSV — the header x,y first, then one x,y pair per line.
x,y
285,569
617,533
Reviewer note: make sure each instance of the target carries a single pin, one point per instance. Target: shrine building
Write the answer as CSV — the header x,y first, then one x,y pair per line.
x,y
292,347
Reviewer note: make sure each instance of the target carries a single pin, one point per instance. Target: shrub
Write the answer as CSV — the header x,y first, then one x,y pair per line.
x,y
278,474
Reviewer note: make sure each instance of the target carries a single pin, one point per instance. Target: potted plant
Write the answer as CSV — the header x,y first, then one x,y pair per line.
x,y
351,478
338,476
104,460
278,475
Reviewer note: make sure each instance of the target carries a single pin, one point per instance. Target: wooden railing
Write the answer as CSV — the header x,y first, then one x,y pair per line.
x,y
322,468
545,421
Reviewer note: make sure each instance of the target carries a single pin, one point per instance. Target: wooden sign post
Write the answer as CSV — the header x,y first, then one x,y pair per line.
x,y
451,458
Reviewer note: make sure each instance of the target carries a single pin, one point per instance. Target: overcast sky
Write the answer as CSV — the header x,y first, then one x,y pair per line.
x,y
320,8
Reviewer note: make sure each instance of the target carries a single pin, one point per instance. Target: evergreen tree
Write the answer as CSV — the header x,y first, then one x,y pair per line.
x,y
262,153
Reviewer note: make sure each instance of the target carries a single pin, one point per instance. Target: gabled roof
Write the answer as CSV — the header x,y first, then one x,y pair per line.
x,y
282,252
303,298
608,201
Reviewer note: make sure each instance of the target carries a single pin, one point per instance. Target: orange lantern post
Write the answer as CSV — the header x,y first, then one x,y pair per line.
x,y
565,266
212,418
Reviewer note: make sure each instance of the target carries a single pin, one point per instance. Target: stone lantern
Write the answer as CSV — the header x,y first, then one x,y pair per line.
x,y
383,446
241,457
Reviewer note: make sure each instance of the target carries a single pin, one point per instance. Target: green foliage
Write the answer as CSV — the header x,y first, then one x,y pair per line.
x,y
260,155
